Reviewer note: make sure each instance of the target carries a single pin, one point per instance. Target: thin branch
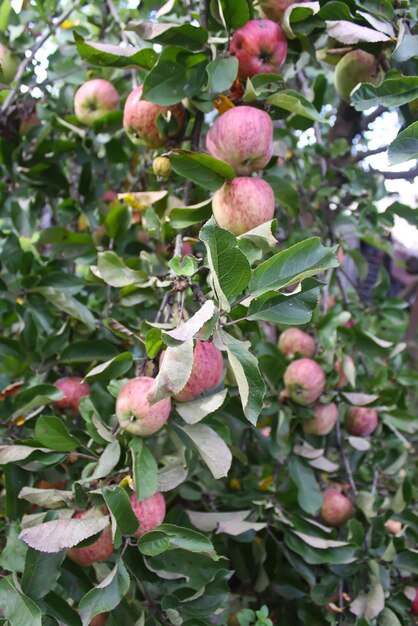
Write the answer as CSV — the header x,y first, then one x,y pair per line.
x,y
409,175
204,13
340,284
114,13
367,153
369,119
345,460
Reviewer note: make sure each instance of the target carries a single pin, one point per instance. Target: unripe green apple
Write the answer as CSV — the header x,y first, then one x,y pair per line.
x,y
8,65
161,167
356,67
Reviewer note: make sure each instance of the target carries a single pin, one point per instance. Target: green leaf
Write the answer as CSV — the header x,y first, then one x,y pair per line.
x,y
314,556
211,448
5,9
230,270
183,266
167,33
171,537
87,351
388,618
294,102
114,368
285,193
405,146
222,72
407,561
52,432
12,556
41,572
108,460
188,216
202,169
69,305
107,55
17,608
175,370
393,92
145,469
309,494
303,260
233,13
36,396
119,505
116,273
292,310
106,596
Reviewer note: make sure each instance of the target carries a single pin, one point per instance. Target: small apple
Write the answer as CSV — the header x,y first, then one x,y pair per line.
x,y
8,65
134,412
243,204
324,419
94,99
109,196
275,9
305,381
141,117
356,67
295,341
393,526
260,47
150,512
361,421
161,166
99,620
243,138
336,509
100,550
73,389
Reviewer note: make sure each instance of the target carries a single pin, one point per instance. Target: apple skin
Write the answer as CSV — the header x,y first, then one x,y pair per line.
x,y
243,204
336,508
161,166
94,99
100,550
393,526
99,620
361,421
73,389
132,401
295,341
324,419
150,512
305,381
9,65
260,47
275,9
414,606
186,249
356,67
139,119
243,138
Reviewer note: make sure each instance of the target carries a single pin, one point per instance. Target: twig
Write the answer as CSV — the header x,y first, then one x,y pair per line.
x,y
204,13
352,282
409,175
163,304
367,153
345,460
114,13
343,291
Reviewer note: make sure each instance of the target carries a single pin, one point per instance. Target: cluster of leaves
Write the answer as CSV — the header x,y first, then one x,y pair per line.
x,y
96,288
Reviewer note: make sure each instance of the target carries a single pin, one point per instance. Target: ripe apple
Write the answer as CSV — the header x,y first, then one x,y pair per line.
x,y
393,526
336,508
260,47
356,67
305,381
275,9
324,419
100,550
99,620
343,378
8,65
135,413
295,341
94,99
150,512
414,606
73,389
242,204
140,120
361,421
243,138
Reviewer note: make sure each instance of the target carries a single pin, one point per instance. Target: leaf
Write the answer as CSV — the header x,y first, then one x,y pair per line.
x,y
350,33
188,330
106,596
115,273
108,460
211,447
16,453
309,495
168,33
195,410
107,55
294,102
49,498
293,309
233,13
405,146
145,470
297,12
359,399
221,73
392,92
202,169
12,556
41,572
407,561
60,534
172,475
230,269
300,261
285,194
119,505
34,397
171,537
233,523
193,214
175,370
388,618
318,542
17,608
52,432
69,305
87,351
114,368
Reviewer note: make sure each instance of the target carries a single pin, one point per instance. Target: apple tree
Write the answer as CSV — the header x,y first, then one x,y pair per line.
x,y
207,402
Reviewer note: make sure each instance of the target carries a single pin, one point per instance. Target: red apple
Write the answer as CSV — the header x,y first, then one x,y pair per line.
x,y
95,99
140,120
295,341
275,9
336,508
243,138
260,47
150,512
361,421
109,196
393,526
356,67
305,381
99,620
135,413
324,419
243,204
414,606
8,65
73,389
100,550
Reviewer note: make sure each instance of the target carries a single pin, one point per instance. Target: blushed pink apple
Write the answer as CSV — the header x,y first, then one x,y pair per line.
x,y
140,120
324,419
260,47
295,341
336,509
361,421
243,138
100,550
305,381
243,204
150,512
73,389
393,526
135,413
99,620
94,99
414,606
8,65
275,9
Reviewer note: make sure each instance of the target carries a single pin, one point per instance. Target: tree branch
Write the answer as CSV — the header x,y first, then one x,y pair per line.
x,y
367,153
408,175
345,460
369,119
